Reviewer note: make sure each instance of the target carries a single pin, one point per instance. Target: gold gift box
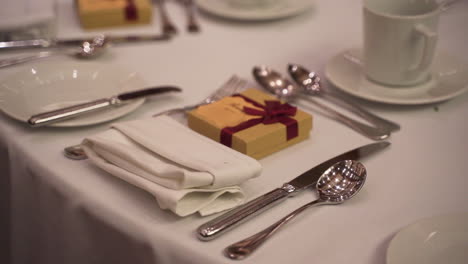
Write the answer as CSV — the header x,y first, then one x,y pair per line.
x,y
111,13
257,141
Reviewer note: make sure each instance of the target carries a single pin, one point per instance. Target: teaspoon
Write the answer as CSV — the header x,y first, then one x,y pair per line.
x,y
310,83
87,49
273,82
337,184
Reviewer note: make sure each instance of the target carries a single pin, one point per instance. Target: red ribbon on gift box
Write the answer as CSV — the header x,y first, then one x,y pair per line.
x,y
131,12
273,112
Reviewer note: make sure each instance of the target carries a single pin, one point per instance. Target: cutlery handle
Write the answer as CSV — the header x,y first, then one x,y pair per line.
x,y
227,221
68,112
245,247
354,108
374,133
192,24
18,44
167,25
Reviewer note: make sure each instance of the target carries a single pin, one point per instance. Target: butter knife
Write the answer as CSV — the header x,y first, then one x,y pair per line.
x,y
229,220
60,43
79,109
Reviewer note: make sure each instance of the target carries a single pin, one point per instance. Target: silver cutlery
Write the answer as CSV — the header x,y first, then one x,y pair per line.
x,y
86,50
232,86
310,82
63,43
339,183
273,82
76,110
192,23
168,27
233,218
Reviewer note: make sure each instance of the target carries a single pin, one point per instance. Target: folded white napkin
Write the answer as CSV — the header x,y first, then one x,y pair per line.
x,y
185,171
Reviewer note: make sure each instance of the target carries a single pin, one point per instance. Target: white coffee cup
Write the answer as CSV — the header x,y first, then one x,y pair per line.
x,y
400,38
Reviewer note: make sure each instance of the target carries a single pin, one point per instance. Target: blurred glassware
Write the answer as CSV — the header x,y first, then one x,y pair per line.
x,y
27,19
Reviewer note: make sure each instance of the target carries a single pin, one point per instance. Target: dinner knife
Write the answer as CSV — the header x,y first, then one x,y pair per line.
x,y
59,43
79,109
229,220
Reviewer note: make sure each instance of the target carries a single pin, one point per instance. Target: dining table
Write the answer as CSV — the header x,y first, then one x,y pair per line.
x,y
57,210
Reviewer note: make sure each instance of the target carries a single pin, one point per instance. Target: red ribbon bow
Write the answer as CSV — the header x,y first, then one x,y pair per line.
x,y
273,112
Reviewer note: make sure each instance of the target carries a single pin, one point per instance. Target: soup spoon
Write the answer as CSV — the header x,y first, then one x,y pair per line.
x,y
87,49
273,82
337,184
310,83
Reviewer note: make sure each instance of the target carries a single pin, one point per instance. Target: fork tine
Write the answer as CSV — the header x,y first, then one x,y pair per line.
x,y
226,89
231,86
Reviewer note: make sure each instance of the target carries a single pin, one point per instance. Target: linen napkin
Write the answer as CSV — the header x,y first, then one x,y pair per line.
x,y
185,171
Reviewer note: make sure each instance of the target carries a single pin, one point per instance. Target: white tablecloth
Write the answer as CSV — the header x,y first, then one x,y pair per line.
x,y
56,210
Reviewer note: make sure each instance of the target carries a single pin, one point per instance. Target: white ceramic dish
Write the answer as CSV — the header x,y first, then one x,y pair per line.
x,y
54,84
441,239
449,78
277,10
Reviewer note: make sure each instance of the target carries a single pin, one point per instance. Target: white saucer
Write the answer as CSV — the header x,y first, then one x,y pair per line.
x,y
54,84
441,239
280,9
449,78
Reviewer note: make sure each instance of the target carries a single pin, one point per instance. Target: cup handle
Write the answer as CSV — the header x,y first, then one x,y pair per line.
x,y
429,42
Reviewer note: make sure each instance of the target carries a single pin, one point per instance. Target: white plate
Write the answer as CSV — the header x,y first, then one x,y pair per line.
x,y
449,78
280,9
441,239
54,84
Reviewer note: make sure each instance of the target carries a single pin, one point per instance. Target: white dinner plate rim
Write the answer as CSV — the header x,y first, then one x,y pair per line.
x,y
92,118
392,248
332,74
222,9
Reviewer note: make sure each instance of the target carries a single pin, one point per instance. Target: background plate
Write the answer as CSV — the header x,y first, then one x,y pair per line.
x,y
441,239
53,84
280,9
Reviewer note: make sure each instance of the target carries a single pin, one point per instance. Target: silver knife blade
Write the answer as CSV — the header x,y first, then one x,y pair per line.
x,y
79,109
229,220
311,176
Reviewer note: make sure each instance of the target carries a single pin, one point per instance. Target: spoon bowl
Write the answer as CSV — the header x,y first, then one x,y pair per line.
x,y
309,81
273,82
339,183
93,48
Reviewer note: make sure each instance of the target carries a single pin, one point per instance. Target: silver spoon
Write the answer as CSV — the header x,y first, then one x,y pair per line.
x,y
337,184
86,50
284,89
310,83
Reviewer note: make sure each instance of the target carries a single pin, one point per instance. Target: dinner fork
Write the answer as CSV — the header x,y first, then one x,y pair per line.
x,y
234,85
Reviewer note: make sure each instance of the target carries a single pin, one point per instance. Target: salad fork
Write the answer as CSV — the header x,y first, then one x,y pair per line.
x,y
232,86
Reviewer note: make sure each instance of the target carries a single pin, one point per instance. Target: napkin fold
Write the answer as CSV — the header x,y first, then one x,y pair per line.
x,y
185,171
